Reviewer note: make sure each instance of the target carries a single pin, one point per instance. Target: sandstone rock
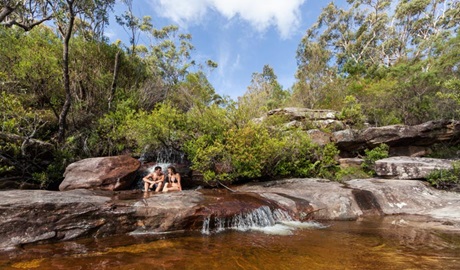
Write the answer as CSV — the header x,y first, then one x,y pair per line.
x,y
51,216
398,135
411,197
310,198
333,201
45,216
319,137
104,173
308,118
29,216
351,162
304,113
409,167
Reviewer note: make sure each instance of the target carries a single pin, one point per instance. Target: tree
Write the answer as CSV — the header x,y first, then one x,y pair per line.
x,y
169,61
382,52
264,94
25,14
65,13
133,25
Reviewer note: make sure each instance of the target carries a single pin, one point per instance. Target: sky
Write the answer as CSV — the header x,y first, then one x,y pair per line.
x,y
240,35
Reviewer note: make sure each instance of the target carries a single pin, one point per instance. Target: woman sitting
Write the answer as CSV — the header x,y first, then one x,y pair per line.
x,y
173,180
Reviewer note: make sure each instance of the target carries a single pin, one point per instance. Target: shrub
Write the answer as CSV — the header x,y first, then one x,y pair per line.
x,y
352,113
350,173
371,156
445,179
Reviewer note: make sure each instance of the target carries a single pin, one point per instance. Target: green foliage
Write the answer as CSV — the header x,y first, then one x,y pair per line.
x,y
445,179
163,127
444,151
109,138
349,173
371,156
352,113
403,58
255,150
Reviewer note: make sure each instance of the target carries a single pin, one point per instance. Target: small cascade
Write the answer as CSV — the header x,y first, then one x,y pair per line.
x,y
261,217
163,155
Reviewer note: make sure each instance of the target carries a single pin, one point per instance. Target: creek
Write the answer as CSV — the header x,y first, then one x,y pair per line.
x,y
375,243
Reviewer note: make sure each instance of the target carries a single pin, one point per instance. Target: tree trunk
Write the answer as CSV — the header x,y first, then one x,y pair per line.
x,y
67,34
114,80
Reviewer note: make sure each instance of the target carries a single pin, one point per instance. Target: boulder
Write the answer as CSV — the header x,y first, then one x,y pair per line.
x,y
409,167
425,134
103,173
38,216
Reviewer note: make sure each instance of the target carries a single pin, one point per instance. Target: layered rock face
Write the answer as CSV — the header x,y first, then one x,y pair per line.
x,y
324,127
31,216
425,134
104,173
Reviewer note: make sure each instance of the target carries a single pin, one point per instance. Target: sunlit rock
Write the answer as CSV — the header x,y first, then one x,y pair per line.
x,y
425,134
409,167
104,173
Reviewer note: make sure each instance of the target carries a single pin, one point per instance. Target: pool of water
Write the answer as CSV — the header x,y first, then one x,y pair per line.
x,y
379,243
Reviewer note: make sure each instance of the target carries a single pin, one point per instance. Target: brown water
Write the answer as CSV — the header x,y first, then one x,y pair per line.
x,y
390,243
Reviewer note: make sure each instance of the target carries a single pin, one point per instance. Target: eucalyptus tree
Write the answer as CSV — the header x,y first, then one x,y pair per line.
x,y
169,61
25,14
263,94
380,51
133,25
419,25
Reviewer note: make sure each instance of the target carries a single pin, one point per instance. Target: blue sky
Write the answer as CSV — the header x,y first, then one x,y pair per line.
x,y
240,35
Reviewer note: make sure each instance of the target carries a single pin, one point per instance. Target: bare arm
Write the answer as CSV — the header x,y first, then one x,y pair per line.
x,y
178,181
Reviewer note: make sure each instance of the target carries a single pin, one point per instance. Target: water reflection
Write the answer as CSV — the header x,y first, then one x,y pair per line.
x,y
387,243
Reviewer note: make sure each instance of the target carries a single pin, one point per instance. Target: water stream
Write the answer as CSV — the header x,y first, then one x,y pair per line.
x,y
379,243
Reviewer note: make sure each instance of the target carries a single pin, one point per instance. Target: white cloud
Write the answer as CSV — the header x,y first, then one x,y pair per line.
x,y
260,14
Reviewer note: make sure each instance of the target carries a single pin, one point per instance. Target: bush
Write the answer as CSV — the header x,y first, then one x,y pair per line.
x,y
371,156
345,174
445,179
352,113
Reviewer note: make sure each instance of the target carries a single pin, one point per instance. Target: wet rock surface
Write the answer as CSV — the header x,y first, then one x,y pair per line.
x,y
36,216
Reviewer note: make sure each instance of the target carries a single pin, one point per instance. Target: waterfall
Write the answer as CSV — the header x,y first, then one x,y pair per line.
x,y
262,217
162,155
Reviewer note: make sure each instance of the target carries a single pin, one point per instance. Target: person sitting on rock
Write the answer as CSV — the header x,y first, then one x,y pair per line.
x,y
173,182
154,178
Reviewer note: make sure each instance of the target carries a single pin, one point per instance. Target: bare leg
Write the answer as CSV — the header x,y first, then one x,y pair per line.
x,y
159,187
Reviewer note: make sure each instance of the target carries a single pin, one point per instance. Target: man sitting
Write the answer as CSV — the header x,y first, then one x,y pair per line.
x,y
154,178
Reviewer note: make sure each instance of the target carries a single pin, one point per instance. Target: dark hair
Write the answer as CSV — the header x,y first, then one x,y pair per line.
x,y
172,169
157,168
